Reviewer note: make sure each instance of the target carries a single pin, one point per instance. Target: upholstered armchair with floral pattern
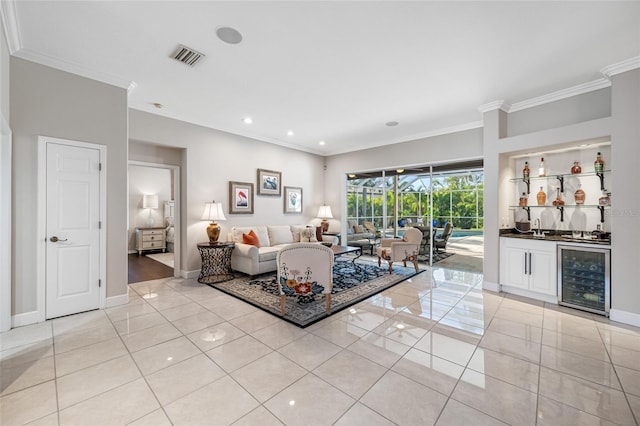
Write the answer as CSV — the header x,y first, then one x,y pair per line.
x,y
305,270
396,250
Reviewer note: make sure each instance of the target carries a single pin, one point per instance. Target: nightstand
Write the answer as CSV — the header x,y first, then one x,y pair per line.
x,y
216,262
150,239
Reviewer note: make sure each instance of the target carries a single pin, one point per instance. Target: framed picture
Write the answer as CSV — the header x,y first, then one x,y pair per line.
x,y
269,182
240,198
292,199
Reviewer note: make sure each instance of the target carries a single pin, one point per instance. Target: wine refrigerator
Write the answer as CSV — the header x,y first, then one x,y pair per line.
x,y
584,278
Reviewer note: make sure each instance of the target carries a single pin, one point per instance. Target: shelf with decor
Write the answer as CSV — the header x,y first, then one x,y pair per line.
x,y
561,177
561,208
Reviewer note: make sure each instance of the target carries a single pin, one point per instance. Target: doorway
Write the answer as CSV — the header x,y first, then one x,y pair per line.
x,y
153,217
71,227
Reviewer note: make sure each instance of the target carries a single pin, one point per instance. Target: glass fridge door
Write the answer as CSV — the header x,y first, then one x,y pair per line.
x,y
584,278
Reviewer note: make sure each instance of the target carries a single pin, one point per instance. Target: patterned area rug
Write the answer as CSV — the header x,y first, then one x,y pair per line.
x,y
437,257
350,285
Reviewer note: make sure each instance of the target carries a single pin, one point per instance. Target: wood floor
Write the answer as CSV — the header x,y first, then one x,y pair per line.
x,y
142,268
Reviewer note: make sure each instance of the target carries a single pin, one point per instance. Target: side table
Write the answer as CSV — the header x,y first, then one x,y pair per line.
x,y
216,262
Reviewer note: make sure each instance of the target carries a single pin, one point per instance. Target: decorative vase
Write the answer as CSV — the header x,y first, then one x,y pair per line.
x,y
579,195
576,169
541,197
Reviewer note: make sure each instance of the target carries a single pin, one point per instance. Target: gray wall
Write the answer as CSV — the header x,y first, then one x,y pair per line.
x,y
4,76
625,207
212,158
588,106
48,102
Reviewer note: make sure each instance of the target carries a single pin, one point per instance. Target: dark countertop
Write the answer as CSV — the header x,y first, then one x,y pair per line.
x,y
558,236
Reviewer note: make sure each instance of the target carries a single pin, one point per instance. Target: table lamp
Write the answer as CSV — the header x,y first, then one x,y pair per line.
x,y
212,212
150,202
324,213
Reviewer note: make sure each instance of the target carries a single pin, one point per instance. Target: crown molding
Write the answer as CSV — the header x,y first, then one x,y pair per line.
x,y
501,105
73,68
11,26
580,89
620,67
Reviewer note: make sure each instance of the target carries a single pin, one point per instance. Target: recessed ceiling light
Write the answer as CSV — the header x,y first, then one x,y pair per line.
x,y
247,120
290,133
322,142
351,175
400,170
391,123
229,35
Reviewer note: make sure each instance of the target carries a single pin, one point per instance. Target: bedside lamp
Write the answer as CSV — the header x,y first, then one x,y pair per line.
x,y
150,202
212,212
324,213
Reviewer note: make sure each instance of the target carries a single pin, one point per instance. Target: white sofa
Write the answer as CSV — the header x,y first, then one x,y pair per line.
x,y
252,260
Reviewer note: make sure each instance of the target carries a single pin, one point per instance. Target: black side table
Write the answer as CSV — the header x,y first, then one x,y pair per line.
x,y
216,262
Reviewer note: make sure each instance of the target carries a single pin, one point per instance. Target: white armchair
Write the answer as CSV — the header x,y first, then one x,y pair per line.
x,y
304,270
406,249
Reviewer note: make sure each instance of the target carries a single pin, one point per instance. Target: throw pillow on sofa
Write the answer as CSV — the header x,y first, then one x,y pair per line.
x,y
280,234
251,238
308,235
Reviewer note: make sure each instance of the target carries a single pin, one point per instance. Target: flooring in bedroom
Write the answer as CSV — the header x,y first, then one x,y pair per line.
x,y
143,268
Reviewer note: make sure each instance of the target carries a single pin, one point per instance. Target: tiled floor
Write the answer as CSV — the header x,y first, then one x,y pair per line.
x,y
418,354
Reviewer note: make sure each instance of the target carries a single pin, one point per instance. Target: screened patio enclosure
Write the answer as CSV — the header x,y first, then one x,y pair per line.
x,y
395,199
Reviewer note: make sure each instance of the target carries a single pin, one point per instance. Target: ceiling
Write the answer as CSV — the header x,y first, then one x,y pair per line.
x,y
330,71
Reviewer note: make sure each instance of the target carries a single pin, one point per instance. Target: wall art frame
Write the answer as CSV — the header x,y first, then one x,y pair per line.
x,y
240,197
269,182
292,200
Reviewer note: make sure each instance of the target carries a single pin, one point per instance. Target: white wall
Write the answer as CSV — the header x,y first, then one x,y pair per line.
x,y
146,180
49,102
212,159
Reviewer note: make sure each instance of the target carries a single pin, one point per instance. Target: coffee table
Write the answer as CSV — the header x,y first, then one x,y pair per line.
x,y
339,251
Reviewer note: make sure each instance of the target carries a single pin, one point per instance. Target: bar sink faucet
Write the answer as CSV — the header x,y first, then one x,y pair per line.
x,y
537,232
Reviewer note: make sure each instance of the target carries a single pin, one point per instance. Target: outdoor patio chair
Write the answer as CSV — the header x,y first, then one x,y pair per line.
x,y
440,242
304,270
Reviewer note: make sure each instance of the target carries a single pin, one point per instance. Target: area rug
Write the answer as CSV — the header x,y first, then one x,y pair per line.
x,y
350,285
437,257
164,258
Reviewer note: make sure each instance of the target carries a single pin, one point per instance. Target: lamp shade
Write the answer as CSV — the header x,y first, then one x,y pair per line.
x,y
212,212
150,201
325,212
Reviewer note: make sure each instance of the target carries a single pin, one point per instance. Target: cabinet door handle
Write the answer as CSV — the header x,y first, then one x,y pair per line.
x,y
530,263
525,263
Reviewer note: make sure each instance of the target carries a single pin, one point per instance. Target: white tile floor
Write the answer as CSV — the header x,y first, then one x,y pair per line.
x,y
418,354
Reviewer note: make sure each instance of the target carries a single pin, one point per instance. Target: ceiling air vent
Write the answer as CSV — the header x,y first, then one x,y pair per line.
x,y
187,55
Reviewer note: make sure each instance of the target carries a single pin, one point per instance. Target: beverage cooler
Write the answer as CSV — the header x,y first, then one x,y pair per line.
x,y
584,278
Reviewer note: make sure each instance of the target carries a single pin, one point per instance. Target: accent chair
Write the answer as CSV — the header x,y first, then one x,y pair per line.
x,y
304,270
400,250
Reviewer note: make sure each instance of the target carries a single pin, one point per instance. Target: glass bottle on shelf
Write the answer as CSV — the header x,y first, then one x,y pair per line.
x,y
576,168
598,165
542,170
558,201
579,195
523,200
541,197
525,171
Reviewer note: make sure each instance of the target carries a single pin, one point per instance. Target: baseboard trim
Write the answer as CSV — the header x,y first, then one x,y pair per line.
x,y
191,274
624,317
121,299
488,285
530,294
26,318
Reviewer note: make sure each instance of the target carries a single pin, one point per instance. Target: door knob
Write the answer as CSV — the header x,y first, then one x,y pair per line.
x,y
55,239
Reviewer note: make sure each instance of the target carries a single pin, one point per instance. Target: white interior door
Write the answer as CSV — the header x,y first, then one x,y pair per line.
x,y
72,229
